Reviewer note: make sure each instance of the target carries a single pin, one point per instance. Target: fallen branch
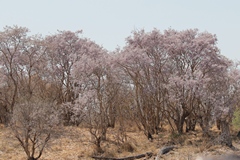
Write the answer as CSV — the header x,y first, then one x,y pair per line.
x,y
166,149
148,154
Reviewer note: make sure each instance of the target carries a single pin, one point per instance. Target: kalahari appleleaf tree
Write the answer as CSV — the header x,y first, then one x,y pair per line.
x,y
61,49
194,59
225,99
12,41
144,61
174,74
32,124
32,67
90,74
22,61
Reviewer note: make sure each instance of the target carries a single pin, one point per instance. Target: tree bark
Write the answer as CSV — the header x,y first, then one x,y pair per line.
x,y
225,136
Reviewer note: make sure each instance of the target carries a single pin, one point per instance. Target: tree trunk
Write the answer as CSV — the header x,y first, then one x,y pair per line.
x,y
179,124
150,137
180,118
111,116
190,124
218,124
225,136
104,134
204,124
98,145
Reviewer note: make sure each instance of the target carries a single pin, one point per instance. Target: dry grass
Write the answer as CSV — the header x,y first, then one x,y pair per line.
x,y
73,143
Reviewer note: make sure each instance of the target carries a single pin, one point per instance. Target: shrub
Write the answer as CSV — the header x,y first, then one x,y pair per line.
x,y
236,119
32,126
126,146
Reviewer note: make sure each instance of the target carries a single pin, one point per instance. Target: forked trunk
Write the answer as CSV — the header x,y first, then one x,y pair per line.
x,y
179,125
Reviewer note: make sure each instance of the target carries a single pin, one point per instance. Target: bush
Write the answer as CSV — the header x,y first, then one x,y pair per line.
x,y
127,147
236,119
32,126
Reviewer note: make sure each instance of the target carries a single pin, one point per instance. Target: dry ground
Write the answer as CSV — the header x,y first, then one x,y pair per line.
x,y
73,143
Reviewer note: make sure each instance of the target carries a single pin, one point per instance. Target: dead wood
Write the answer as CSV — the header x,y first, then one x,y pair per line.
x,y
148,154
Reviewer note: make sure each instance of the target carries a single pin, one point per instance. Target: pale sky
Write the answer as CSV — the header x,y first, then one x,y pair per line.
x,y
109,22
